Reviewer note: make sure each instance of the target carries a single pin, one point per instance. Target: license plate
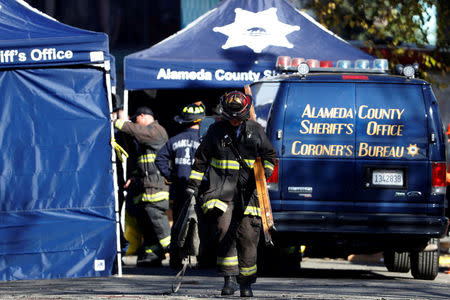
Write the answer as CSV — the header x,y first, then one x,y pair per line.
x,y
387,177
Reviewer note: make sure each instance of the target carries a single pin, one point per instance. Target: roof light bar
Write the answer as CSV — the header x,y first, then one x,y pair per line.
x,y
283,63
287,64
343,64
313,63
362,64
326,64
296,61
381,64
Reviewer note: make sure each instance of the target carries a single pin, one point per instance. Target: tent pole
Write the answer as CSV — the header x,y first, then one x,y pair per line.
x,y
125,111
114,166
125,102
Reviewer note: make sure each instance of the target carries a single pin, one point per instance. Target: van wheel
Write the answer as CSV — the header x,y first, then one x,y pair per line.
x,y
397,261
425,264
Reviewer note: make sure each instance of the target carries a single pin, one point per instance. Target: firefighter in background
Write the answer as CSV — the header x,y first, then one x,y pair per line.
x,y
174,161
231,195
147,187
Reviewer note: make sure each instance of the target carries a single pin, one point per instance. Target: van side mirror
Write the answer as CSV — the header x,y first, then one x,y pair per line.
x,y
204,126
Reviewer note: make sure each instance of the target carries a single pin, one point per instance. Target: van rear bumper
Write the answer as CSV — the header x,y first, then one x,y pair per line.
x,y
343,223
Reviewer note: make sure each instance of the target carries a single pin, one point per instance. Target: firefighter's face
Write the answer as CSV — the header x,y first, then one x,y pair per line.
x,y
235,122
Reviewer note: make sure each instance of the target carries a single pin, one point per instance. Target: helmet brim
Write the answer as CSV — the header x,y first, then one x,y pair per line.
x,y
181,120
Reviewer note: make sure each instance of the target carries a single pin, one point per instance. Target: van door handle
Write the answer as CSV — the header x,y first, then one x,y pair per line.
x,y
279,134
433,138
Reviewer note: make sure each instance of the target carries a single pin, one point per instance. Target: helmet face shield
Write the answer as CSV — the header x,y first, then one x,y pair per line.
x,y
235,105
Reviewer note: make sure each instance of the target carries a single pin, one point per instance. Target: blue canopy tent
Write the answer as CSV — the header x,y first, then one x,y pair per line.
x,y
57,195
232,45
228,47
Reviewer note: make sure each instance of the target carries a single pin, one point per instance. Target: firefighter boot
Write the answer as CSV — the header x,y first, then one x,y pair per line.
x,y
148,258
229,286
246,290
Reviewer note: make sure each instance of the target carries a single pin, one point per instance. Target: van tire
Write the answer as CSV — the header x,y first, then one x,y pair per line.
x,y
397,261
425,264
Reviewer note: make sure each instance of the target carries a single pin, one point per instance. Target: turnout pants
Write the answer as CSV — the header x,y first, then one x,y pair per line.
x,y
155,227
238,237
177,194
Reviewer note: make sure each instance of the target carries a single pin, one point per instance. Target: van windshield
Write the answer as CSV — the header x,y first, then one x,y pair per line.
x,y
263,97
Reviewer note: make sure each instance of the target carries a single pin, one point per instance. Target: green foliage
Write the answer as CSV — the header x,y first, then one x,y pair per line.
x,y
393,25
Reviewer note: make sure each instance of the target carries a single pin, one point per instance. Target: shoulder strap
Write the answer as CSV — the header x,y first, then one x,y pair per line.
x,y
230,141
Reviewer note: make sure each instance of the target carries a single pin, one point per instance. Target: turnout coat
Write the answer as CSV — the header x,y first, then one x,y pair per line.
x,y
227,179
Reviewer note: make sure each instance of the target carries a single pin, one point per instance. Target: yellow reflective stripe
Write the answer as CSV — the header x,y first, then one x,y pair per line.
x,y
248,271
147,158
252,211
155,197
210,204
165,241
268,165
196,175
249,162
225,164
227,261
152,248
152,197
119,124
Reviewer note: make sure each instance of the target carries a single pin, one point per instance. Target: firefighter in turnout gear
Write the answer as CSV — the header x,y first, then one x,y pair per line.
x,y
146,186
226,156
174,161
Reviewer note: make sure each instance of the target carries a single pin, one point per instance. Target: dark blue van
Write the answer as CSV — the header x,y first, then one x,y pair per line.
x,y
362,164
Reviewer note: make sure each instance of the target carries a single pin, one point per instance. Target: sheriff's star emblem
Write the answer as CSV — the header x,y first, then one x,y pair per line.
x,y
413,150
256,30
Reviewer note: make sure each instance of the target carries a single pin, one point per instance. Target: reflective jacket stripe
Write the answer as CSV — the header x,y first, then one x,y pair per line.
x,y
196,175
252,211
230,164
225,164
249,162
268,165
119,124
152,197
147,158
210,204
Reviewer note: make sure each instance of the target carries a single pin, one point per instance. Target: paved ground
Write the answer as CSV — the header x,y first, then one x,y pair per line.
x,y
359,277
319,279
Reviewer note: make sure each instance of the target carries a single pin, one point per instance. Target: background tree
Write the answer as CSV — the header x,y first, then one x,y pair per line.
x,y
395,29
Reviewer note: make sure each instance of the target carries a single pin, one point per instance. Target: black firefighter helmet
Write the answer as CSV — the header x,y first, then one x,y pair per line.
x,y
192,113
235,105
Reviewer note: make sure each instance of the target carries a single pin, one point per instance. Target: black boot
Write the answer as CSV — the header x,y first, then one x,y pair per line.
x,y
147,260
229,287
246,290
